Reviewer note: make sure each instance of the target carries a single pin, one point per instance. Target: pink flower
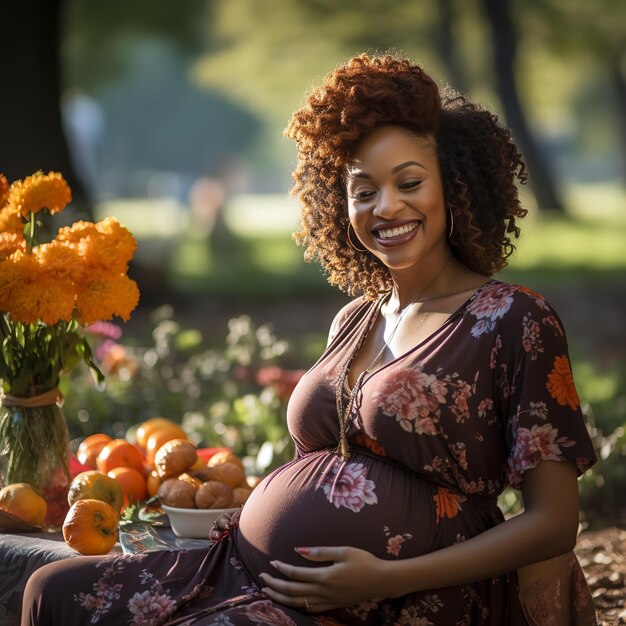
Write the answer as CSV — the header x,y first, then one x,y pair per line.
x,y
147,606
283,381
413,398
105,330
349,487
492,304
394,544
532,446
531,340
264,612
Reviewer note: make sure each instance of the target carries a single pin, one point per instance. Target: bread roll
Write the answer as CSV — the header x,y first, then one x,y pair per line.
x,y
213,495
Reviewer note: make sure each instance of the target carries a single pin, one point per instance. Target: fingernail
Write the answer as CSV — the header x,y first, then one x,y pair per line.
x,y
265,589
303,550
273,564
261,575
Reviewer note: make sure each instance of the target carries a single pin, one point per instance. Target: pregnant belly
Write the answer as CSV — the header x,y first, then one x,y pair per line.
x,y
318,501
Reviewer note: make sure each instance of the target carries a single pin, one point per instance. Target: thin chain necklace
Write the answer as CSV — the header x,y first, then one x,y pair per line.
x,y
345,415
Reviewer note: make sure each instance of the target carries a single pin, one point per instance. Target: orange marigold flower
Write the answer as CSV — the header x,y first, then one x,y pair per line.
x,y
50,299
18,274
4,189
560,383
10,222
103,296
10,243
110,247
77,231
39,191
60,259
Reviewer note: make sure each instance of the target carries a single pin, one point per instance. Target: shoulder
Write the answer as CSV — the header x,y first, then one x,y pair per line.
x,y
344,314
506,305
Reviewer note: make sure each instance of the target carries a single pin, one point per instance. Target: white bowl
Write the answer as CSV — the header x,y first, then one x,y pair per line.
x,y
195,523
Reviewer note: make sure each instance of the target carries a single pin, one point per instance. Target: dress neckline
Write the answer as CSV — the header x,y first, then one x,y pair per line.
x,y
373,315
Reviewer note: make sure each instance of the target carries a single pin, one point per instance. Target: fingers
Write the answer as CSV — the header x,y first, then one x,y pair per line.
x,y
301,574
322,553
286,587
222,522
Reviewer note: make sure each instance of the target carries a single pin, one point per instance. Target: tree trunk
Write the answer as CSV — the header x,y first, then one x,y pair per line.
x,y
446,47
619,86
504,45
31,129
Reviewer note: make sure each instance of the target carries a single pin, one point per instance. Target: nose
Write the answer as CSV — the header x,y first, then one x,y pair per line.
x,y
388,203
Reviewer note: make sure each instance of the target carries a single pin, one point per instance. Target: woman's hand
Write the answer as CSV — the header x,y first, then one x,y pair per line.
x,y
354,576
223,525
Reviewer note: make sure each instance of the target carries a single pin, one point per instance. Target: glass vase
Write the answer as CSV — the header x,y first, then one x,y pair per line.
x,y
34,449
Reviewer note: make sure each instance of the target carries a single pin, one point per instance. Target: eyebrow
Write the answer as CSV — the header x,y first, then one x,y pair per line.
x,y
397,168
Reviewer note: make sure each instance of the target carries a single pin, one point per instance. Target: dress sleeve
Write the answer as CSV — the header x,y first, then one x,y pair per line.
x,y
536,391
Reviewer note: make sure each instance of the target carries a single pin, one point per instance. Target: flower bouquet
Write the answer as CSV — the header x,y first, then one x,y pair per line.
x,y
49,291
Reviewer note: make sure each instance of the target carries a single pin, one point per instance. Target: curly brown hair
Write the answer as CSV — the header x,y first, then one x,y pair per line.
x,y
478,159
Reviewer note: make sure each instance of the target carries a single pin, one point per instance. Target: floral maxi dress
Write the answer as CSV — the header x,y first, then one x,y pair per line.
x,y
436,434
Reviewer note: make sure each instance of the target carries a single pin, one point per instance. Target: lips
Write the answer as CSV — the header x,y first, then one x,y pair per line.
x,y
396,234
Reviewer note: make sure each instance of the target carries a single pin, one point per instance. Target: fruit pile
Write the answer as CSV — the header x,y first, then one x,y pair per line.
x,y
155,458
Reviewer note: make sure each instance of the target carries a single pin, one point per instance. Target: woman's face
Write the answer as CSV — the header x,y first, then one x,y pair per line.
x,y
395,198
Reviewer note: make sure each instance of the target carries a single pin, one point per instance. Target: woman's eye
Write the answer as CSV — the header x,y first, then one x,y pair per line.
x,y
362,194
410,184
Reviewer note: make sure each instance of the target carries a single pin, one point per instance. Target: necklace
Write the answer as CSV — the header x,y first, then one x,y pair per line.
x,y
345,415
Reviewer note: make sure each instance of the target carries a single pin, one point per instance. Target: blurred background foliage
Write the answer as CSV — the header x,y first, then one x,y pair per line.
x,y
170,116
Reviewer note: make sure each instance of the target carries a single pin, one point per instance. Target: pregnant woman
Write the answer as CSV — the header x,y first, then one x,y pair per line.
x,y
439,386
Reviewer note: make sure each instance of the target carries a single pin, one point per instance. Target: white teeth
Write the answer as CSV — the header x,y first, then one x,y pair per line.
x,y
388,233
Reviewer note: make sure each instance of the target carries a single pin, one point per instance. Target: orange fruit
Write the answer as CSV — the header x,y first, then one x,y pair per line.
x,y
132,482
157,424
119,453
157,439
21,500
90,447
94,485
153,482
91,526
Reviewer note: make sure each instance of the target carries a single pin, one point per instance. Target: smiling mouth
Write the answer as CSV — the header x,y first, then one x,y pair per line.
x,y
397,232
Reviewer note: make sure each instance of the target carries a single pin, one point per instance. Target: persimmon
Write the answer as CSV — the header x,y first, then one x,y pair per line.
x,y
153,483
119,453
91,527
132,482
157,439
23,501
157,424
90,447
96,485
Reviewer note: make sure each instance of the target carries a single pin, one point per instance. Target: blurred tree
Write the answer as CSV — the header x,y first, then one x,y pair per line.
x,y
274,68
94,30
504,44
579,29
31,131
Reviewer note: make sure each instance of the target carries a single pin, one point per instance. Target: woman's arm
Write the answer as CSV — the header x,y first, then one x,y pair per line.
x,y
546,528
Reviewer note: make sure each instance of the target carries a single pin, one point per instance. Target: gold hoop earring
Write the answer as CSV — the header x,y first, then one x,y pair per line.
x,y
352,244
451,230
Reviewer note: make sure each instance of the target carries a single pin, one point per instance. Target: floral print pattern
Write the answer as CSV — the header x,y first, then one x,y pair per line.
x,y
436,435
560,383
347,485
265,612
413,398
394,543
